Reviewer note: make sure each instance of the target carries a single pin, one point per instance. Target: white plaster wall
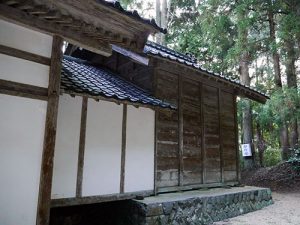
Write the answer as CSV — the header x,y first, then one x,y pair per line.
x,y
25,39
22,123
23,71
139,163
66,147
102,162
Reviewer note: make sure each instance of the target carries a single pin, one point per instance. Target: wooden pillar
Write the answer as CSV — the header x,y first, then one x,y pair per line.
x,y
180,132
238,169
221,135
43,211
123,150
202,134
81,146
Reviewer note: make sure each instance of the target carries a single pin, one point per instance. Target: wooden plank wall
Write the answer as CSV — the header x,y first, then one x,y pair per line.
x,y
192,132
228,127
167,132
196,146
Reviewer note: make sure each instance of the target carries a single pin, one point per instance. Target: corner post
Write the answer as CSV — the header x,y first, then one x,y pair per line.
x,y
43,210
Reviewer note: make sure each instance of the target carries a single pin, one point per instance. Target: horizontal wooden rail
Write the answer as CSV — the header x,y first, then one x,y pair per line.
x,y
23,90
196,186
97,199
24,55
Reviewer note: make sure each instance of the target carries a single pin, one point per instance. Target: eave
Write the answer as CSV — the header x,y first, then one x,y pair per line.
x,y
90,24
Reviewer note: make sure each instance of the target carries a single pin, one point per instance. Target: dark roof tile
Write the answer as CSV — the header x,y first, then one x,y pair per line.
x,y
164,52
80,76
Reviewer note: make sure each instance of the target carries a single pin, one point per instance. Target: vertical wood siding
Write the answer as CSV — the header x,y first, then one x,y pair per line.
x,y
197,144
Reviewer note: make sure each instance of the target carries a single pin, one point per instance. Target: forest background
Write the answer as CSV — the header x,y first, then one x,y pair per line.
x,y
254,41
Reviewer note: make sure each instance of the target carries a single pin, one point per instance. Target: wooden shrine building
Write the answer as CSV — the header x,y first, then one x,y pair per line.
x,y
115,118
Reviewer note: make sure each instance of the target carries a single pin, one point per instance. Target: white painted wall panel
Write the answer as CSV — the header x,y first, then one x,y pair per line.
x,y
23,71
22,123
139,163
102,162
25,39
66,147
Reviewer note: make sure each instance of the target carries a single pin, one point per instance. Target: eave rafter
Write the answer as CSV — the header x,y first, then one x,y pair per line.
x,y
54,20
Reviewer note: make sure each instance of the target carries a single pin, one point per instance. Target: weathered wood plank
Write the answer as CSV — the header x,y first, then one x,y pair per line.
x,y
180,129
195,186
16,16
98,199
23,90
123,148
80,164
24,55
43,211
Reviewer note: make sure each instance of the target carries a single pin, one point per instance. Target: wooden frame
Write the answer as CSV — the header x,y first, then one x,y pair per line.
x,y
97,199
82,137
123,149
180,132
23,90
220,136
24,55
43,211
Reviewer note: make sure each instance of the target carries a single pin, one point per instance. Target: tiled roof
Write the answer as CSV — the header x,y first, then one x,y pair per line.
x,y
134,14
164,52
79,76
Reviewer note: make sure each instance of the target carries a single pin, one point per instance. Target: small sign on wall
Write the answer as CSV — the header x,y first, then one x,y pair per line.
x,y
246,150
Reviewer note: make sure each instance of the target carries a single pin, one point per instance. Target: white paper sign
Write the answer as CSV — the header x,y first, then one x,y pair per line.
x,y
246,149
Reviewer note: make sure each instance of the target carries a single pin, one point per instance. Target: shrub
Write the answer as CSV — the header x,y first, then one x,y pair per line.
x,y
272,157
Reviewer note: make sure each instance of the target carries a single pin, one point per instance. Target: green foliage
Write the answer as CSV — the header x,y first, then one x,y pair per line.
x,y
282,107
272,157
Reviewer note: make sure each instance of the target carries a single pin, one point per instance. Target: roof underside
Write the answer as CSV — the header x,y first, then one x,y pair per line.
x,y
189,61
91,24
81,78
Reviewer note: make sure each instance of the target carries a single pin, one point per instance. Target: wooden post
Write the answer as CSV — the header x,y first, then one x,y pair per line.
x,y
180,131
202,134
220,136
154,87
123,151
236,140
81,147
43,211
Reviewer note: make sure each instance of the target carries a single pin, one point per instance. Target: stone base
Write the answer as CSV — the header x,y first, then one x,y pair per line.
x,y
198,207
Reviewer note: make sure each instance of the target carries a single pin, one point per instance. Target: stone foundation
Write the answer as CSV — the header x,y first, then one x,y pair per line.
x,y
197,207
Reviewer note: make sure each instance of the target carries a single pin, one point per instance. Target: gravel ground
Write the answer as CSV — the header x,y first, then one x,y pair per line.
x,y
284,211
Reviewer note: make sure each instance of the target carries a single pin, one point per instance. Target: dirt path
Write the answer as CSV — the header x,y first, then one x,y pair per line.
x,y
284,211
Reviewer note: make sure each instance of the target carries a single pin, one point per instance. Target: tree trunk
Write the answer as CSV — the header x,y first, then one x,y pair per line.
x,y
249,162
164,15
261,145
292,83
275,54
283,130
158,20
284,142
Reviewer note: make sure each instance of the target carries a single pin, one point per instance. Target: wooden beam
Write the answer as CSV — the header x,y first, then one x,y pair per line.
x,y
220,135
24,55
71,35
238,168
81,146
98,199
23,90
202,134
43,212
154,88
123,149
195,186
180,132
